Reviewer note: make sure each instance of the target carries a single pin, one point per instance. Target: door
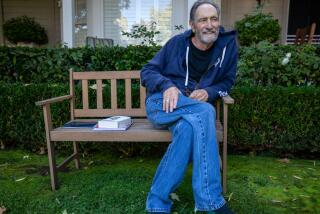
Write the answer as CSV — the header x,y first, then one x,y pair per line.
x,y
303,13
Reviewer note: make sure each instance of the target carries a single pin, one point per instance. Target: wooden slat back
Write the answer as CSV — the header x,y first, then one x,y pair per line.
x,y
128,95
114,96
112,76
72,103
99,95
85,99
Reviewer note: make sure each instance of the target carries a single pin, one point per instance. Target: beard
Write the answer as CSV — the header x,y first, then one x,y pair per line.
x,y
207,36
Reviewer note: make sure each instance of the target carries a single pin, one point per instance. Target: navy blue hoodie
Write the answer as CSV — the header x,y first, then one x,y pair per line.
x,y
169,67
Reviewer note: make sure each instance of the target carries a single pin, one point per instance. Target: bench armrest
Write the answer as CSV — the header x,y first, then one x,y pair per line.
x,y
228,100
45,104
54,100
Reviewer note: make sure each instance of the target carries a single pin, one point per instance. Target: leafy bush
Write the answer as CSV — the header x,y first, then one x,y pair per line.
x,y
39,65
24,29
259,64
266,64
256,28
280,119
262,118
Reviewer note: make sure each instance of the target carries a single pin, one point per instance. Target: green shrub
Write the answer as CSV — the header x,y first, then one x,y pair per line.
x,y
256,28
266,64
280,119
283,120
39,65
24,29
260,64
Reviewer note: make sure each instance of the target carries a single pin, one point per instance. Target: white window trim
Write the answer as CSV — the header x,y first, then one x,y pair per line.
x,y
67,23
95,18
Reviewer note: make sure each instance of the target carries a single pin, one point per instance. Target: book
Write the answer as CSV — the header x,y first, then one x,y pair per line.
x,y
115,122
97,128
79,124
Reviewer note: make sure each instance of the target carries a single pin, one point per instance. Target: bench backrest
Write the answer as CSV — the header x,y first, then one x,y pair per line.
x,y
112,77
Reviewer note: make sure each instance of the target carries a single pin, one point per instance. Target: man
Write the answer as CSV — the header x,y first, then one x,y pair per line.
x,y
186,76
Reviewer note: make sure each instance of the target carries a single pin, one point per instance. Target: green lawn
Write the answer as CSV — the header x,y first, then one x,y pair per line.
x,y
113,185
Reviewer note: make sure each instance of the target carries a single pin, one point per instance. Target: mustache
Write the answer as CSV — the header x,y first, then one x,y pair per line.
x,y
210,31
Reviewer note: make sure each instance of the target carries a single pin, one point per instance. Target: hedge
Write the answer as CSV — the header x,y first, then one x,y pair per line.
x,y
279,119
254,28
284,120
39,65
263,64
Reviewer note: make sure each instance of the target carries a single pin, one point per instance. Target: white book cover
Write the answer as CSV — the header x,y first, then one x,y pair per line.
x,y
115,122
96,128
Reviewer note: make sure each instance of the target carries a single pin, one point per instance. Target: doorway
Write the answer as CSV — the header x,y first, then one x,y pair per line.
x,y
303,13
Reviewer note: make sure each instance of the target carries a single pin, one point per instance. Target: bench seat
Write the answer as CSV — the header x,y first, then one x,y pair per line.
x,y
140,131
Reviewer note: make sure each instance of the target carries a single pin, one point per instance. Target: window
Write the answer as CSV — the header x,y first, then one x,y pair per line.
x,y
122,15
80,23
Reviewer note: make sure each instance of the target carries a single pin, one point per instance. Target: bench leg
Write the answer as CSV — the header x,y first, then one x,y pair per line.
x,y
76,152
52,165
224,172
50,147
225,144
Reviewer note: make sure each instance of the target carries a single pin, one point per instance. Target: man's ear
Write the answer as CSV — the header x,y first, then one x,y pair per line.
x,y
192,26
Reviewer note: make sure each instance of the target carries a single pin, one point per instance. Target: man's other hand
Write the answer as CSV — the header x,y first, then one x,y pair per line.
x,y
170,99
200,94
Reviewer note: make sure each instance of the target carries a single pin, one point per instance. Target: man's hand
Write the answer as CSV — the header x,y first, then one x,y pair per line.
x,y
170,99
199,94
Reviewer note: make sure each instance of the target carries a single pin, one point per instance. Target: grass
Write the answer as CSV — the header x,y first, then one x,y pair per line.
x,y
112,185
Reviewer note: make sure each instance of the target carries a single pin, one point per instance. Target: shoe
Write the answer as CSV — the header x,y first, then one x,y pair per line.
x,y
222,210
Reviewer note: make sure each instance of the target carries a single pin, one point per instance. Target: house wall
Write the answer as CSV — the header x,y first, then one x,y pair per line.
x,y
234,10
1,22
46,12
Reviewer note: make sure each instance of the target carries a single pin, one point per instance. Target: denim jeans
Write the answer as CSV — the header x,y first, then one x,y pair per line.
x,y
192,125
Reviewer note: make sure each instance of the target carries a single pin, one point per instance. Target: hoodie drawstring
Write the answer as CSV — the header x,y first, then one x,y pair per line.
x,y
223,54
187,63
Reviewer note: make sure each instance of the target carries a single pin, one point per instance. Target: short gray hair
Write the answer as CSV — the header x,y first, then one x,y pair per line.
x,y
198,4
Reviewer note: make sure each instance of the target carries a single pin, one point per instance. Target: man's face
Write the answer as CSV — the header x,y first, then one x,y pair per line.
x,y
206,24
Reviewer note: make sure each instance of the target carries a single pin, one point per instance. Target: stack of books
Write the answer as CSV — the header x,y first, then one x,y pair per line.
x,y
114,123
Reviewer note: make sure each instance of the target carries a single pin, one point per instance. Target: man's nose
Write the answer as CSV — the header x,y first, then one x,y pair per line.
x,y
209,24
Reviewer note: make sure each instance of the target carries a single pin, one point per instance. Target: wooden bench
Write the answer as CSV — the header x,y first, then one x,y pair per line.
x,y
141,130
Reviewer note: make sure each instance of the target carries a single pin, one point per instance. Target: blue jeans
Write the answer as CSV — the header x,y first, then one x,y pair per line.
x,y
192,125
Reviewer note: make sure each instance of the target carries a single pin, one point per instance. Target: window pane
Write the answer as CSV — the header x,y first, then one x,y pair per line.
x,y
80,23
122,15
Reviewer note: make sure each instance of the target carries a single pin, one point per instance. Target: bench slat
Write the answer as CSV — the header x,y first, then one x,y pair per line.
x,y
93,75
142,97
85,100
113,94
128,95
99,95
135,112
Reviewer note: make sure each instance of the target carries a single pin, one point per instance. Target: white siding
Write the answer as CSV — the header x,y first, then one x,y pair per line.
x,y
46,12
